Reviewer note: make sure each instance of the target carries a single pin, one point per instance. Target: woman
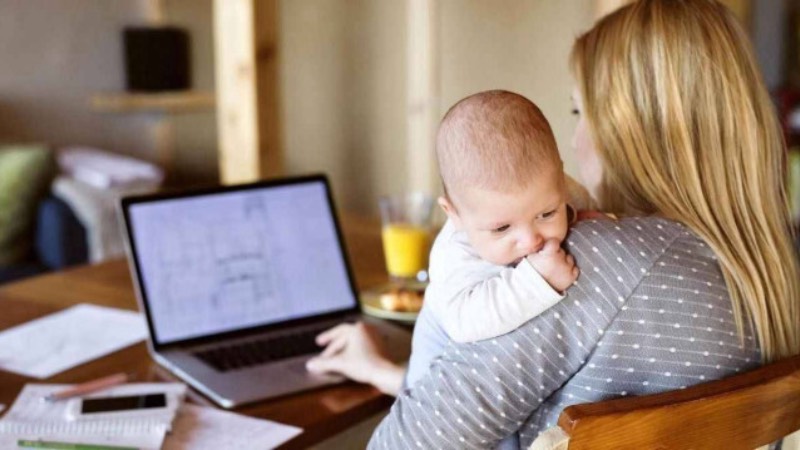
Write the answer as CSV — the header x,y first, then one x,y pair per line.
x,y
690,133
698,282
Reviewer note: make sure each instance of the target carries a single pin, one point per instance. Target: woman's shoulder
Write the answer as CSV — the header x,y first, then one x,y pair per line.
x,y
635,230
635,242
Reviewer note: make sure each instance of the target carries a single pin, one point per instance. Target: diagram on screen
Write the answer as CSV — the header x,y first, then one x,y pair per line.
x,y
218,270
236,260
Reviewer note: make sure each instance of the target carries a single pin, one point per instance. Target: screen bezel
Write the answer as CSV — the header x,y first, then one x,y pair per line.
x,y
136,271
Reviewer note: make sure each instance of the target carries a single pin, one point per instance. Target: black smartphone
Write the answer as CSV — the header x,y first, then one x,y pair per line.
x,y
128,403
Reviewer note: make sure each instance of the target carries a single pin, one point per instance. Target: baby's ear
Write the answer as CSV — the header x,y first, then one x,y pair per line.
x,y
450,210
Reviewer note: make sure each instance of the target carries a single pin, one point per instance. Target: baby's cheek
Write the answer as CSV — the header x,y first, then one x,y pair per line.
x,y
559,230
489,251
564,230
502,253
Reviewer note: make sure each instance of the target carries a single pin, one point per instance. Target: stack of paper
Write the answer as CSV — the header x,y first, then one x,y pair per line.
x,y
33,418
107,170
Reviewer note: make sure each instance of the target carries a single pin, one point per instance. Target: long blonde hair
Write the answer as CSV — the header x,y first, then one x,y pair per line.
x,y
685,128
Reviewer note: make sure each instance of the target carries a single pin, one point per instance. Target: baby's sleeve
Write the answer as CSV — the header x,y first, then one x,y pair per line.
x,y
475,300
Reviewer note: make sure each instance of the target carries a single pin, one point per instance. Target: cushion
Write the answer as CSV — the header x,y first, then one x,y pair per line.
x,y
60,236
25,175
551,439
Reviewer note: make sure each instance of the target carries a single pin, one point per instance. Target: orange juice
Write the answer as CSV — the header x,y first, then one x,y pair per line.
x,y
406,248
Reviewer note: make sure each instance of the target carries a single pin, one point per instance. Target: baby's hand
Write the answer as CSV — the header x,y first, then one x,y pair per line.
x,y
555,265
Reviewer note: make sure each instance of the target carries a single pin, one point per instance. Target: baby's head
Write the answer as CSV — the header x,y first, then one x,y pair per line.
x,y
503,178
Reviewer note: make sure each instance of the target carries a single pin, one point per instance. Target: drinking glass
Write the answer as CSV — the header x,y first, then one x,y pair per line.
x,y
406,234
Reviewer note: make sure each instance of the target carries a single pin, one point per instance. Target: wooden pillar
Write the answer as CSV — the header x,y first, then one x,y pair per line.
x,y
245,41
423,95
154,12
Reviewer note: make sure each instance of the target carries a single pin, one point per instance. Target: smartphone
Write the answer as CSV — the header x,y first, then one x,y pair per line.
x,y
124,406
115,404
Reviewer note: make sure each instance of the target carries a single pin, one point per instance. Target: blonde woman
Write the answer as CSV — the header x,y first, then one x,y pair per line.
x,y
699,280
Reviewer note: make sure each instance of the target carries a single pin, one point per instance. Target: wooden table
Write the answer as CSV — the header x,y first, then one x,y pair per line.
x,y
321,413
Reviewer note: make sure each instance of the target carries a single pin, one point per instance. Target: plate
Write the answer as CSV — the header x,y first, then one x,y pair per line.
x,y
371,303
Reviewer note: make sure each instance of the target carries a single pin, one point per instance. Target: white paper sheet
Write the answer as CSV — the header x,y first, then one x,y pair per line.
x,y
203,428
44,347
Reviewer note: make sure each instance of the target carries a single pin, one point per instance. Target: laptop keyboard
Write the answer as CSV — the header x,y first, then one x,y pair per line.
x,y
253,353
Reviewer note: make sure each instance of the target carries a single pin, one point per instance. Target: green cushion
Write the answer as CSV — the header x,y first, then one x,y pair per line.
x,y
26,172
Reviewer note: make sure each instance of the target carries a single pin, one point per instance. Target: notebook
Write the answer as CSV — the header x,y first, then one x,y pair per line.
x,y
33,418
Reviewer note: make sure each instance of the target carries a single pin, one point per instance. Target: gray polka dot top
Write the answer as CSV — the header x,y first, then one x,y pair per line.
x,y
649,313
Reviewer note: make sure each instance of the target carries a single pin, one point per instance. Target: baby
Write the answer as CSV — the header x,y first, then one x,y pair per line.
x,y
498,261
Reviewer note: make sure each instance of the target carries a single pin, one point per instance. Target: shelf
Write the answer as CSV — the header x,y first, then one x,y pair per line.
x,y
161,102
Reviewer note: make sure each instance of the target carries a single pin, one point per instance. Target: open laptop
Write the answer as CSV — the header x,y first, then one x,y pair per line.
x,y
236,282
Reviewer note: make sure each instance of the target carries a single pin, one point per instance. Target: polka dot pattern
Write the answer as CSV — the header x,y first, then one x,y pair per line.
x,y
665,326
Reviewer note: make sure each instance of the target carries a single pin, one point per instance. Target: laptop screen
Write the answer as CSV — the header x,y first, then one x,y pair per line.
x,y
227,261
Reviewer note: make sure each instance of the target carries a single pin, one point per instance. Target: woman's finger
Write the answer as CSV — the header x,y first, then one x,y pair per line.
x,y
328,335
324,365
335,346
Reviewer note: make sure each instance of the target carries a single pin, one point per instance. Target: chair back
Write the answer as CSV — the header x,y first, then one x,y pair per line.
x,y
741,412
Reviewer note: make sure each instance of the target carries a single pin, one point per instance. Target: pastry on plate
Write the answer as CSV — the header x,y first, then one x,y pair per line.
x,y
402,299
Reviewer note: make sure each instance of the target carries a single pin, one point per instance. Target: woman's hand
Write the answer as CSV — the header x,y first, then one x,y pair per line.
x,y
356,351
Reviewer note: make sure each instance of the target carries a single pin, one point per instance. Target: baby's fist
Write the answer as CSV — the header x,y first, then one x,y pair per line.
x,y
555,265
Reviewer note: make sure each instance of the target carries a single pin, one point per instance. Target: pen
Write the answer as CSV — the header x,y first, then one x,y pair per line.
x,y
67,446
88,387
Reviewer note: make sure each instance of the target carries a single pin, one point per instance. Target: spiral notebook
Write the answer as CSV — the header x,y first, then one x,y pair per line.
x,y
31,417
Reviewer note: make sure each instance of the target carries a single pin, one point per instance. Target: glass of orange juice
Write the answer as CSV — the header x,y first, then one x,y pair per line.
x,y
406,235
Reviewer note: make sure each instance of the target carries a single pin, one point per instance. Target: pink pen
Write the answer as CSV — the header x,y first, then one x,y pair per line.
x,y
89,387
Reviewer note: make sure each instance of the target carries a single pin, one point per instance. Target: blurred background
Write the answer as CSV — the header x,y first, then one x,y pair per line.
x,y
352,88
342,75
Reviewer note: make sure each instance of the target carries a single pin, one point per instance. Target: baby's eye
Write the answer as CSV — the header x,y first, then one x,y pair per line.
x,y
575,112
501,229
548,214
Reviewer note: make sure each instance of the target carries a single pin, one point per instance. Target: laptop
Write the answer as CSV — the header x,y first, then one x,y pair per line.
x,y
235,283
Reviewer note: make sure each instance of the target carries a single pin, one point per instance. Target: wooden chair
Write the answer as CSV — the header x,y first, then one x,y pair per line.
x,y
742,412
